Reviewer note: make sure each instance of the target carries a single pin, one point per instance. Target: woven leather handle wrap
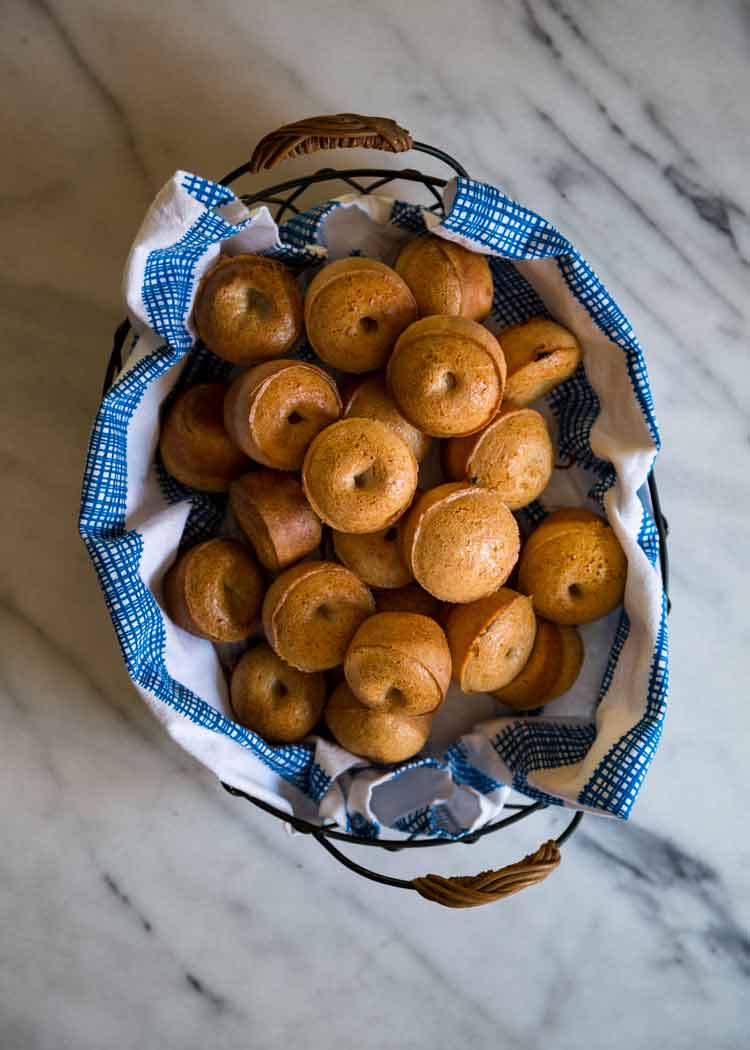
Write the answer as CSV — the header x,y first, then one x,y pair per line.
x,y
468,891
337,131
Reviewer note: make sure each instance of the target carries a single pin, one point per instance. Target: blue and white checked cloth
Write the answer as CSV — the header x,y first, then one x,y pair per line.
x,y
593,749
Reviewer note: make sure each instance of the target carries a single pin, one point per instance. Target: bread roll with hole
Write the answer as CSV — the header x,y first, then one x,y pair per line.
x,y
447,376
399,662
311,613
355,310
274,700
248,308
573,567
274,411
214,591
359,475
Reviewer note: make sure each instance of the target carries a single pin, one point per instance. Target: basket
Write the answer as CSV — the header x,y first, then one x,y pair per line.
x,y
348,131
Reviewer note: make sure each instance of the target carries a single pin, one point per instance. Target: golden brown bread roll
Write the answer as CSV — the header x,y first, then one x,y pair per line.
x,y
274,410
214,591
194,444
550,671
573,567
373,400
447,376
399,662
513,455
275,700
460,541
559,522
355,309
311,613
271,509
373,556
248,308
381,736
490,640
540,354
359,475
446,278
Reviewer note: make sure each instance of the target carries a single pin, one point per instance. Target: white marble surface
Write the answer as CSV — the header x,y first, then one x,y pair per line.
x,y
139,905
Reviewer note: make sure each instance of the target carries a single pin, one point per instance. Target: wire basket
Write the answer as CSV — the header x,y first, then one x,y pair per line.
x,y
354,131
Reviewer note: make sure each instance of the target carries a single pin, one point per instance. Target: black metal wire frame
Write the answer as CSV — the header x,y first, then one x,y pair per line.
x,y
323,834
274,196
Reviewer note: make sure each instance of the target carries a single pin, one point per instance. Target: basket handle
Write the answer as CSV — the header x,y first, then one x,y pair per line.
x,y
335,131
466,891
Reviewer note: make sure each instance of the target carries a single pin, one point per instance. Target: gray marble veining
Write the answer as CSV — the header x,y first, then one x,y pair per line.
x,y
139,905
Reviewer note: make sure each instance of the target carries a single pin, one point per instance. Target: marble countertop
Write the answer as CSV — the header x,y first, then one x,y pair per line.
x,y
140,906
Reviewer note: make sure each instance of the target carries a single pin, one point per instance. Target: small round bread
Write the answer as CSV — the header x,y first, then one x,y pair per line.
x,y
274,411
276,701
373,400
573,567
540,354
559,523
381,736
550,671
194,445
490,640
214,591
513,455
355,310
248,308
399,662
447,375
373,556
446,278
460,541
311,613
411,599
359,475
271,509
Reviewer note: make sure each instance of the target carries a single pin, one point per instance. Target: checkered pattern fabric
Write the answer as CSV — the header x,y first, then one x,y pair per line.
x,y
502,226
485,219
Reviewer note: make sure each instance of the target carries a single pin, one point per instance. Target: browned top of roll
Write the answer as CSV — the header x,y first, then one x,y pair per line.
x,y
359,475
248,308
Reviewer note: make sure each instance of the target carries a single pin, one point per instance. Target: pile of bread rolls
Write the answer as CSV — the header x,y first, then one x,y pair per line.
x,y
414,590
